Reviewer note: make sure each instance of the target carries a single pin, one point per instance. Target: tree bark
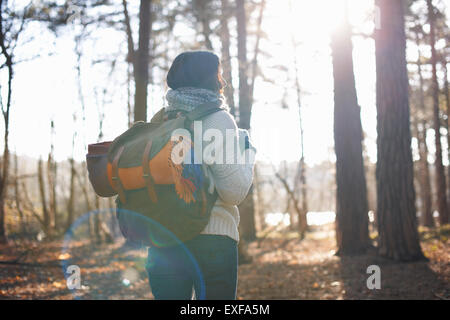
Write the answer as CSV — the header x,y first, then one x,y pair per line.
x,y
439,167
259,212
97,222
131,61
71,200
301,176
292,198
244,88
226,57
17,195
29,205
45,212
352,235
129,32
247,212
247,206
52,178
141,63
425,185
447,102
202,15
247,96
262,7
397,223
4,174
424,177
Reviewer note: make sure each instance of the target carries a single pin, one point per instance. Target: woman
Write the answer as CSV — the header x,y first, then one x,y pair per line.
x,y
208,263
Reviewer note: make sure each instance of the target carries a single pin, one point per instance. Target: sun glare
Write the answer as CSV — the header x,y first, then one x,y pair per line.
x,y
308,25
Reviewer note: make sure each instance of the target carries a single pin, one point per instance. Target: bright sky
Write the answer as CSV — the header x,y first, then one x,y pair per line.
x,y
312,22
46,88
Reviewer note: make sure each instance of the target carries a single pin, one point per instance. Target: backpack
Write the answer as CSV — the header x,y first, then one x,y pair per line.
x,y
160,201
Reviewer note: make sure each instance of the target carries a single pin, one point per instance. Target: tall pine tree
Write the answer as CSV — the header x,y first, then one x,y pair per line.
x,y
397,223
352,232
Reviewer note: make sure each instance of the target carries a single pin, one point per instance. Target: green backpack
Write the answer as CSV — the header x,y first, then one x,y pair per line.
x,y
160,202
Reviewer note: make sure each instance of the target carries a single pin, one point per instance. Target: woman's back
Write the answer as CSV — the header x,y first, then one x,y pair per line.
x,y
194,79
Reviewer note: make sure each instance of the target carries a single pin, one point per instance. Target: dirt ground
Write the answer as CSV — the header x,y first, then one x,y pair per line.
x,y
283,267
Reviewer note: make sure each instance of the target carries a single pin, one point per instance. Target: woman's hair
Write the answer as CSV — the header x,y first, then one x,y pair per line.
x,y
198,69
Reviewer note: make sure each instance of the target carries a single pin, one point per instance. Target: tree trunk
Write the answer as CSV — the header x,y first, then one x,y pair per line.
x,y
260,202
141,62
71,200
4,174
262,7
244,88
425,184
301,176
129,96
447,102
3,183
292,199
51,178
207,34
202,14
439,167
5,170
352,235
247,212
302,218
113,219
97,222
424,177
17,195
226,57
397,223
247,206
45,212
130,59
84,186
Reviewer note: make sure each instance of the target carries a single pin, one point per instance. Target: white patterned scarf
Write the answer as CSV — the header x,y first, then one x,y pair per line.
x,y
188,98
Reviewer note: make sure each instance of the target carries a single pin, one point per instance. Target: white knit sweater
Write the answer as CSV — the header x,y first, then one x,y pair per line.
x,y
231,181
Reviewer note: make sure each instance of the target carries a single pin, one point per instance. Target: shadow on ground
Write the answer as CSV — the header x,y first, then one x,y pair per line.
x,y
283,267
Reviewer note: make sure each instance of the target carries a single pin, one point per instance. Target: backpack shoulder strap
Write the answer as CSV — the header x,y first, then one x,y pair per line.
x,y
203,110
159,116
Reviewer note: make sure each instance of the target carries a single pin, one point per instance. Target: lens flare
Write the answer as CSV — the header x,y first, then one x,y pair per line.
x,y
97,265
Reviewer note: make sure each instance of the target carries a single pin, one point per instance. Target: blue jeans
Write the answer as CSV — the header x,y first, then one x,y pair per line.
x,y
208,264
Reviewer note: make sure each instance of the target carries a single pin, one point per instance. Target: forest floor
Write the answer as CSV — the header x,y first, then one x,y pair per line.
x,y
282,268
